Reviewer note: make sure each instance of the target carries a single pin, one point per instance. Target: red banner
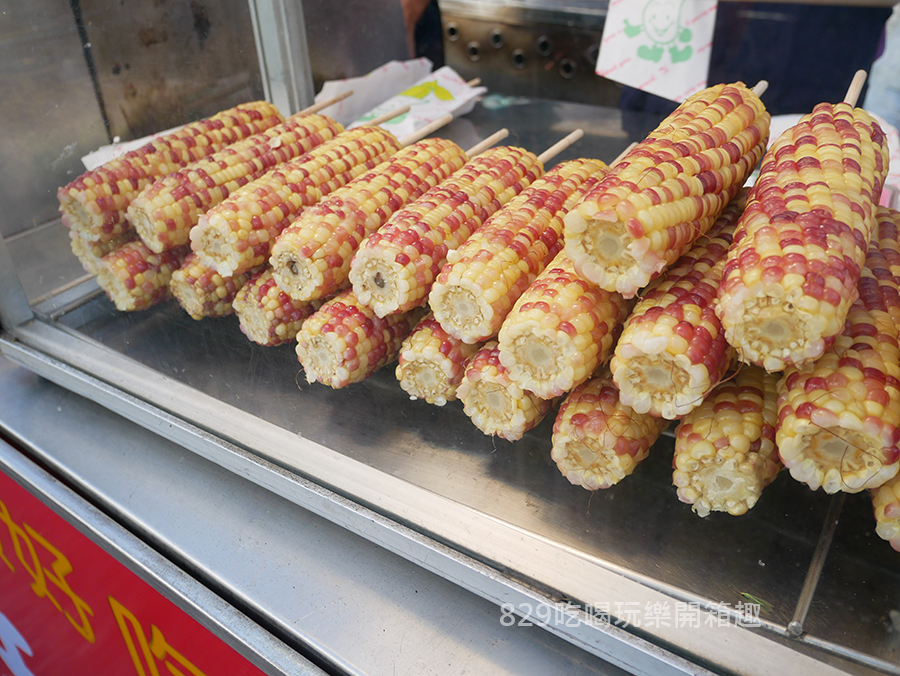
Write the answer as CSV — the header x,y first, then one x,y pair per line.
x,y
67,607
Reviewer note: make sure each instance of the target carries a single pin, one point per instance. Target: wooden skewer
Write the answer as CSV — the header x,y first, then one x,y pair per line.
x,y
322,105
622,154
474,82
760,87
426,130
559,146
387,116
479,148
856,85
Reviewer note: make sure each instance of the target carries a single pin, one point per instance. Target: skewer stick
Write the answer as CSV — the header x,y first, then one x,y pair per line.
x,y
322,105
559,146
760,88
479,148
387,116
474,82
426,130
622,154
856,85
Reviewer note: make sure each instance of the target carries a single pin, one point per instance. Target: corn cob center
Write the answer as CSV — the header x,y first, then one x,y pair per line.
x,y
717,486
426,377
386,280
595,460
609,244
658,375
495,403
321,358
838,453
462,311
779,329
538,355
299,277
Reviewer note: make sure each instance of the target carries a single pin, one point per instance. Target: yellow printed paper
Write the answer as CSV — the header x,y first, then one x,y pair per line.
x,y
658,46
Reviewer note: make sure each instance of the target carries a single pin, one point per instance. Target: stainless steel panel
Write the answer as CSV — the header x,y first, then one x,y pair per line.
x,y
280,31
352,37
326,591
545,50
261,648
523,558
163,63
43,260
50,114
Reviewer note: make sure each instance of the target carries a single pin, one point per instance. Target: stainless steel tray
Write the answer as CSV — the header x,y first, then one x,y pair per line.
x,y
610,570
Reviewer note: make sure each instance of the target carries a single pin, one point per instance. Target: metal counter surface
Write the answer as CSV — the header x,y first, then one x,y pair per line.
x,y
342,602
638,529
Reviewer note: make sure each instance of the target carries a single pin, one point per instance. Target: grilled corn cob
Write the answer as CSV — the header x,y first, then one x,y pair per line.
x,y
801,243
560,330
432,363
839,418
268,316
94,204
89,253
238,234
311,258
886,501
485,276
496,404
889,240
344,342
135,278
672,350
203,292
668,190
394,268
725,448
166,210
598,440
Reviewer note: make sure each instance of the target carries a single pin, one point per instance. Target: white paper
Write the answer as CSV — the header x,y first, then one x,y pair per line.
x,y
658,46
442,92
370,90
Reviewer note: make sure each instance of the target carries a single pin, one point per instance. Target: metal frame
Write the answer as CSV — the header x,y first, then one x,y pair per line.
x,y
420,526
279,30
233,627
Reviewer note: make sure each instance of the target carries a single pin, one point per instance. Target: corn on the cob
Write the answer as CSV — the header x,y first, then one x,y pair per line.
x,y
668,190
135,278
725,451
311,258
888,233
560,330
484,277
344,342
598,440
496,404
166,210
394,268
268,316
672,350
238,234
886,501
801,243
839,418
90,252
432,363
94,204
203,292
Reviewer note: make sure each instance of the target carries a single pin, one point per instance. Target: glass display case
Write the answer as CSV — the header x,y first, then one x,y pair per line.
x,y
628,574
